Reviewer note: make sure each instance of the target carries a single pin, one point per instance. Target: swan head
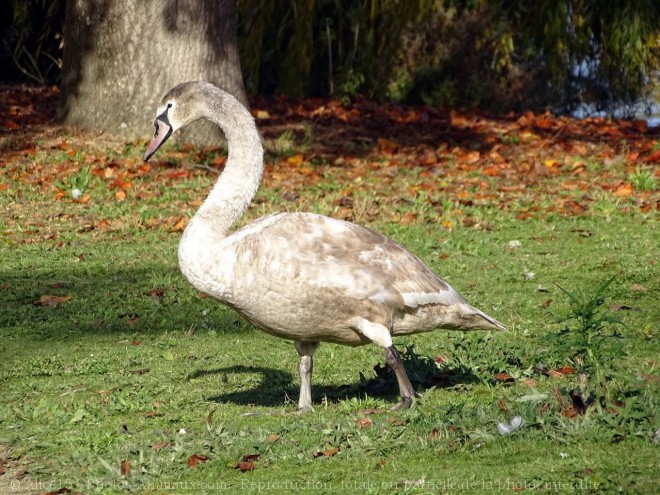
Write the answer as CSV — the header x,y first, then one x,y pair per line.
x,y
182,105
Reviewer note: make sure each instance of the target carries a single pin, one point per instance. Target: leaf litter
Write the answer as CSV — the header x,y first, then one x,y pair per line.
x,y
543,164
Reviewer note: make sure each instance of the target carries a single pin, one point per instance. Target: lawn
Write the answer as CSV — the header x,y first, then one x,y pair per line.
x,y
118,377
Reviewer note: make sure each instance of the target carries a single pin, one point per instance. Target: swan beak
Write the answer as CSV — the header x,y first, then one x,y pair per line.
x,y
163,132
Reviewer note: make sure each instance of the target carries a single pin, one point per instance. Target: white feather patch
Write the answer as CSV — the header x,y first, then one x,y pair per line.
x,y
444,297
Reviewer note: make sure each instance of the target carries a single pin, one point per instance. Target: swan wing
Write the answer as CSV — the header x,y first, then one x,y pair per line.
x,y
322,253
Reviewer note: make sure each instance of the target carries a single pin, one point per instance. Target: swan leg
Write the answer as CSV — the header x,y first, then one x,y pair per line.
x,y
406,389
380,334
306,351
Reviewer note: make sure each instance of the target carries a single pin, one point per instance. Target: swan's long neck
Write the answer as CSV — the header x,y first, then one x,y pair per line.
x,y
240,179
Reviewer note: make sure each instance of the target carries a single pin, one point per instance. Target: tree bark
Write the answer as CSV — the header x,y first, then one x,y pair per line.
x,y
122,56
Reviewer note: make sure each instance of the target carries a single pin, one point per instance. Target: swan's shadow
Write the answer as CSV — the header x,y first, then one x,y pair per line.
x,y
276,385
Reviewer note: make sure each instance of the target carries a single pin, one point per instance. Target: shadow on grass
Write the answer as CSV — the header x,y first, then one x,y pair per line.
x,y
90,300
275,383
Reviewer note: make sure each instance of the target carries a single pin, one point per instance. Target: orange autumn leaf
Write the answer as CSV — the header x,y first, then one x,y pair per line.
x,y
53,301
566,370
125,468
120,195
472,157
296,159
545,123
327,453
196,459
623,191
179,225
244,466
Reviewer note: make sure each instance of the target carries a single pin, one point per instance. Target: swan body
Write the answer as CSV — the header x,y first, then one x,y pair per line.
x,y
302,276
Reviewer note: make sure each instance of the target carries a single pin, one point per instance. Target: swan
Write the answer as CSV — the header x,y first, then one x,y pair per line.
x,y
301,276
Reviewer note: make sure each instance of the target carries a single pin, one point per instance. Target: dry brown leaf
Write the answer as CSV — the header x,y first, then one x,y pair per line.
x,y
196,459
244,466
327,453
364,422
125,468
179,225
54,301
160,445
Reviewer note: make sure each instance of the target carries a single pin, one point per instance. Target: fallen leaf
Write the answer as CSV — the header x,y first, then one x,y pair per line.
x,y
244,466
566,370
120,195
125,468
196,459
251,457
623,191
327,453
544,123
53,301
472,157
273,437
364,423
179,225
638,288
394,421
504,377
296,159
160,445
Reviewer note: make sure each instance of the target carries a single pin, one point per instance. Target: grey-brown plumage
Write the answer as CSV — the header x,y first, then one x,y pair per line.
x,y
302,276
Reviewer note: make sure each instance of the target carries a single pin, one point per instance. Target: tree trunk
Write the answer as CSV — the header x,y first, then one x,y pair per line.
x,y
122,56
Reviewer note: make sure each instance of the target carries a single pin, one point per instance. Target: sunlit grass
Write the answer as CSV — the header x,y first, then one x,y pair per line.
x,y
134,365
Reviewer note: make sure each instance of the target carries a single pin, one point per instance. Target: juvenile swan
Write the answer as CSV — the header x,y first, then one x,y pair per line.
x,y
301,276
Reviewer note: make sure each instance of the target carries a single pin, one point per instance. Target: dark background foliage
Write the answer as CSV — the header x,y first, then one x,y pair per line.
x,y
495,55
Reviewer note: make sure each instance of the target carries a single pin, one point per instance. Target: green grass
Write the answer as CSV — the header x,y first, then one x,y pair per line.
x,y
135,358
